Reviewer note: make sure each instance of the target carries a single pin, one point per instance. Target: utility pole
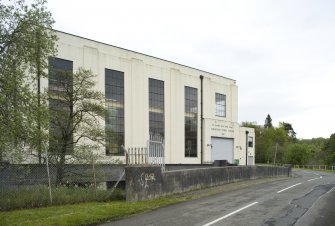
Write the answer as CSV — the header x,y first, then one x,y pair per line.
x,y
274,160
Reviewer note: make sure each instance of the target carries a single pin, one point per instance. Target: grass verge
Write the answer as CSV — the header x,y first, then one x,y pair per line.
x,y
38,196
99,212
84,213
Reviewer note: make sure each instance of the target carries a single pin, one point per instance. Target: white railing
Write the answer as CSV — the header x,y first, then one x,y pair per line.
x,y
153,154
136,156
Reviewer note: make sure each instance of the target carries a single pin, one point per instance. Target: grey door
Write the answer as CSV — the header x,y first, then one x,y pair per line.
x,y
250,160
222,149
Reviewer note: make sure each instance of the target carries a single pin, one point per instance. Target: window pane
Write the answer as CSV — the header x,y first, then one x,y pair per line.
x,y
60,80
220,105
156,107
250,142
114,125
191,121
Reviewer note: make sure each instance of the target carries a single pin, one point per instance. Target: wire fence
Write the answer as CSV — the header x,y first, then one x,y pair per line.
x,y
58,183
36,185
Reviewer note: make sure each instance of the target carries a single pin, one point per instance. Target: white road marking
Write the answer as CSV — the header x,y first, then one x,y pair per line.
x,y
330,190
288,188
230,214
314,179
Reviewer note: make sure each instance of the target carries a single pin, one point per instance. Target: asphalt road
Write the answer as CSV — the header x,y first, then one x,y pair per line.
x,y
308,198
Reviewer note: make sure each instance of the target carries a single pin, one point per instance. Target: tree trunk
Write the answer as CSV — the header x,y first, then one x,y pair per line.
x,y
60,167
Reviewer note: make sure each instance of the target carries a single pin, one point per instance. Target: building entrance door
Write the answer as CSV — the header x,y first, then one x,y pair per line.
x,y
222,149
250,160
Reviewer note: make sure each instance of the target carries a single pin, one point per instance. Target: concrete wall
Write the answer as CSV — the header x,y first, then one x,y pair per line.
x,y
149,182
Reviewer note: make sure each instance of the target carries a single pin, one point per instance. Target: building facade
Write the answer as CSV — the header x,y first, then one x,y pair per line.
x,y
193,110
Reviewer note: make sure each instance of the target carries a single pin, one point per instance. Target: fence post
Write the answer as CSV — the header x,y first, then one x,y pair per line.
x,y
48,172
94,178
146,157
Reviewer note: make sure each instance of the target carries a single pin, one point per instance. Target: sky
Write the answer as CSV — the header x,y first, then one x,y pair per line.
x,y
280,52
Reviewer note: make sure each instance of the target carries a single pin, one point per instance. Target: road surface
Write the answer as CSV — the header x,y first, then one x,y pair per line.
x,y
308,198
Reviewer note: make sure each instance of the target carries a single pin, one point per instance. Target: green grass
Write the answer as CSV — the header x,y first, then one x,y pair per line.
x,y
84,213
99,212
38,196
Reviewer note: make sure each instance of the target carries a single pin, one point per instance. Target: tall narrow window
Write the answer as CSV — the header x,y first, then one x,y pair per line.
x,y
191,122
220,105
250,142
156,107
60,91
114,125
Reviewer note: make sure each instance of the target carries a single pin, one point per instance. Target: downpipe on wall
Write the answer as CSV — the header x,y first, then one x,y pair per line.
x,y
201,118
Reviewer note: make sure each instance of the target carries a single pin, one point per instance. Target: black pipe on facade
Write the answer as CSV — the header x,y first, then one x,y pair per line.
x,y
201,118
246,147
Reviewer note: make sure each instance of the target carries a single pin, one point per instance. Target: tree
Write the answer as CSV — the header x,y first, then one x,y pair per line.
x,y
317,149
268,122
298,154
26,41
270,142
278,145
76,111
289,130
330,150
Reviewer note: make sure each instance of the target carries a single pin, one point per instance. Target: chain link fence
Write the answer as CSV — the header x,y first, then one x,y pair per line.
x,y
36,185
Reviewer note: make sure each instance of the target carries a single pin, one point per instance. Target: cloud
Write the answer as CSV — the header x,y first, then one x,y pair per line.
x,y
280,52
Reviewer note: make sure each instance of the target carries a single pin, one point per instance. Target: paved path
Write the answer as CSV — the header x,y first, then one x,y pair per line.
x,y
306,199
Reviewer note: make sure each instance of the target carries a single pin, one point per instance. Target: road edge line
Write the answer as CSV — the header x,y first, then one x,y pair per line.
x,y
230,214
288,188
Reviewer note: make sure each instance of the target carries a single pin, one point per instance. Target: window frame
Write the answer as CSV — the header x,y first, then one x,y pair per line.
x,y
156,93
220,105
250,141
60,77
191,122
115,117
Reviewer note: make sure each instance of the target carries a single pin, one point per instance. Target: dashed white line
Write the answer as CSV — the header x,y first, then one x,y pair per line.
x,y
230,214
288,188
314,179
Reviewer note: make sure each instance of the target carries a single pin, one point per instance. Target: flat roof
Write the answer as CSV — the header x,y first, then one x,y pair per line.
x,y
144,54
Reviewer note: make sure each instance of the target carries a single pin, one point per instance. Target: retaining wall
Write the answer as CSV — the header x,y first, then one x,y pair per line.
x,y
149,182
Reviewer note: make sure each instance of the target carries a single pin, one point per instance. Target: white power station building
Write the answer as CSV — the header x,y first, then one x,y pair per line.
x,y
196,112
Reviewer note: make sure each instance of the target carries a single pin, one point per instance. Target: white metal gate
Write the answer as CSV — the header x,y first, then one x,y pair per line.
x,y
153,154
222,149
156,153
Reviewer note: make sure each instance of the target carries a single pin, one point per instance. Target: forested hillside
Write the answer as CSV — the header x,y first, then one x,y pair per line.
x,y
280,145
